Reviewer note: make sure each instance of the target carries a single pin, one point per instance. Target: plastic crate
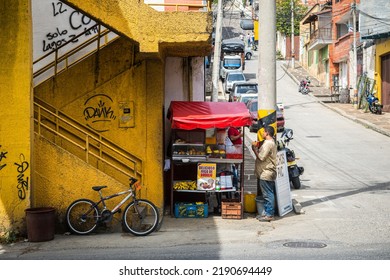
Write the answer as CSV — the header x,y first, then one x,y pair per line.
x,y
231,209
191,210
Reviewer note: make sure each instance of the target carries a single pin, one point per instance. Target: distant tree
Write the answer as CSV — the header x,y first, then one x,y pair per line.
x,y
283,16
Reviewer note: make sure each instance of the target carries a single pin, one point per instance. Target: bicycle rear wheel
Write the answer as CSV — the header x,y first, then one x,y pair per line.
x,y
82,216
140,217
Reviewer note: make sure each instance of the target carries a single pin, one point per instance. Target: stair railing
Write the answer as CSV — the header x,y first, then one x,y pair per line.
x,y
54,64
99,151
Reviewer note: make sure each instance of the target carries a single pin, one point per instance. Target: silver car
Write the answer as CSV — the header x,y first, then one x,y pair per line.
x,y
242,87
233,77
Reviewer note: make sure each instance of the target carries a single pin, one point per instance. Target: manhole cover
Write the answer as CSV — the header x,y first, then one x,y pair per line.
x,y
304,245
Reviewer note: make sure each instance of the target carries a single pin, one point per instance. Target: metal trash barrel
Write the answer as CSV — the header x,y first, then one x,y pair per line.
x,y
260,205
40,224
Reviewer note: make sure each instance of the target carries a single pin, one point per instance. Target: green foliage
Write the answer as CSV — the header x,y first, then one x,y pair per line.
x,y
9,237
283,16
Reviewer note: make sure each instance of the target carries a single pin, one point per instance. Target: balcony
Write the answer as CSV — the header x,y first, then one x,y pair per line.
x,y
320,38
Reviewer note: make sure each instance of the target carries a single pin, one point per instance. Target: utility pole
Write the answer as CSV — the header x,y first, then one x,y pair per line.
x,y
217,52
267,65
292,36
354,67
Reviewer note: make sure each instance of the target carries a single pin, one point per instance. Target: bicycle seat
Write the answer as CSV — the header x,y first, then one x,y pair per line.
x,y
98,188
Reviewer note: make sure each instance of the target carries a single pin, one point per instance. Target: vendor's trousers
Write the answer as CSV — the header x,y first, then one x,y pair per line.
x,y
268,190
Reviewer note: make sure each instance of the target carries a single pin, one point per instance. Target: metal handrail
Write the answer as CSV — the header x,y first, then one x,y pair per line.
x,y
103,145
59,59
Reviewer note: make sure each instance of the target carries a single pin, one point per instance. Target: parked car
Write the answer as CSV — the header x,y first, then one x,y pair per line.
x,y
240,88
252,106
245,97
233,77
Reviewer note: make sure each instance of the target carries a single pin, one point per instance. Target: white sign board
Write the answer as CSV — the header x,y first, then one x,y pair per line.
x,y
282,184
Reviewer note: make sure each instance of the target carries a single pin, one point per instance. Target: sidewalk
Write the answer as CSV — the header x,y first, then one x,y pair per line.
x,y
379,123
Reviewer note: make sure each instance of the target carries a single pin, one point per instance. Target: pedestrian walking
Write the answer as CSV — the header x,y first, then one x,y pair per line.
x,y
248,39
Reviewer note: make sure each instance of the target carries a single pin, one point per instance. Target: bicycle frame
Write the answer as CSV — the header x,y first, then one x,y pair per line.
x,y
118,206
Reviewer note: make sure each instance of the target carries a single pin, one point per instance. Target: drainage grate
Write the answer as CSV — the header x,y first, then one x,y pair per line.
x,y
304,245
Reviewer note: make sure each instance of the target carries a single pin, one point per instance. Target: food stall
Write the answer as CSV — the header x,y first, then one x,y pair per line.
x,y
202,161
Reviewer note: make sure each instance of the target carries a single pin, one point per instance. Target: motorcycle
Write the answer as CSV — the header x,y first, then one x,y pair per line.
x,y
373,104
304,86
294,171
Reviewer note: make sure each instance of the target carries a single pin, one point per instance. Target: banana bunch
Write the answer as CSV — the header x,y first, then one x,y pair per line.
x,y
185,185
200,211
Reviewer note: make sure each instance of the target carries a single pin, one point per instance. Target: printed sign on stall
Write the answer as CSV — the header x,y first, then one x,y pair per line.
x,y
207,174
283,192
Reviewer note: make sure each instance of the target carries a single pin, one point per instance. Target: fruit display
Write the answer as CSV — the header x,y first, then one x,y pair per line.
x,y
188,150
191,210
184,185
216,151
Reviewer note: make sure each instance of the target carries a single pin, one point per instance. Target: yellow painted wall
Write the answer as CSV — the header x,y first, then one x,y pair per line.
x,y
60,177
15,112
116,75
155,31
382,48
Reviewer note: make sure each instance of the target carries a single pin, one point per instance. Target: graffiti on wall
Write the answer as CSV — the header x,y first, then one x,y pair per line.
x,y
3,155
22,180
59,35
99,112
21,167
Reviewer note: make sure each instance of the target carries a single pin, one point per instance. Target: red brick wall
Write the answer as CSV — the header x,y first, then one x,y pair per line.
x,y
340,47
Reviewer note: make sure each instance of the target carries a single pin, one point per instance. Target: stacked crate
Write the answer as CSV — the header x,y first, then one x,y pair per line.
x,y
231,209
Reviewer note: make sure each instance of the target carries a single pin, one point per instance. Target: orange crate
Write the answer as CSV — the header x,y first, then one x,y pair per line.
x,y
231,209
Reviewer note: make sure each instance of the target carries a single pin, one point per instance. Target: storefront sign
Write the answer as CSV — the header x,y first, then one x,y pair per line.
x,y
283,192
207,174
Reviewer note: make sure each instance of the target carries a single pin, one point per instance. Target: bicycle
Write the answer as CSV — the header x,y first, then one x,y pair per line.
x,y
140,216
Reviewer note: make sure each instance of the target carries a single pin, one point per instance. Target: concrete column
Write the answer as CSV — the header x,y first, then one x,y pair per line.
x,y
16,130
267,64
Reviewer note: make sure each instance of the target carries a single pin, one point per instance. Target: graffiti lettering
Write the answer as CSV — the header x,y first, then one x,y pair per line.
x,y
22,180
91,31
61,8
62,35
51,36
2,155
74,21
99,112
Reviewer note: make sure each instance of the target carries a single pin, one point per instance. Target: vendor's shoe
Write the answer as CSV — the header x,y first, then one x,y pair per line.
x,y
266,219
259,217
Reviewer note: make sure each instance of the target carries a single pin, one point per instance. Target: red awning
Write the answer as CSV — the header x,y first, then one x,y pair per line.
x,y
190,115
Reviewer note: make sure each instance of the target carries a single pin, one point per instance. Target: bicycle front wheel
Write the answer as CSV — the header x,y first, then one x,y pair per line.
x,y
82,216
140,217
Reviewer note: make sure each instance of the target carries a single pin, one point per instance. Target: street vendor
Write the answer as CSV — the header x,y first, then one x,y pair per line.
x,y
235,135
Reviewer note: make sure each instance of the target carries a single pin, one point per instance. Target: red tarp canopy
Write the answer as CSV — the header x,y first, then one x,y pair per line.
x,y
190,115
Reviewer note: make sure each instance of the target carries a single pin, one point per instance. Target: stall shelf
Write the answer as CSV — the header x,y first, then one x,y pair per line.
x,y
192,123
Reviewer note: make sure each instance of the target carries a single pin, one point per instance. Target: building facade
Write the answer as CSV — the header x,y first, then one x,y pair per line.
x,y
76,114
